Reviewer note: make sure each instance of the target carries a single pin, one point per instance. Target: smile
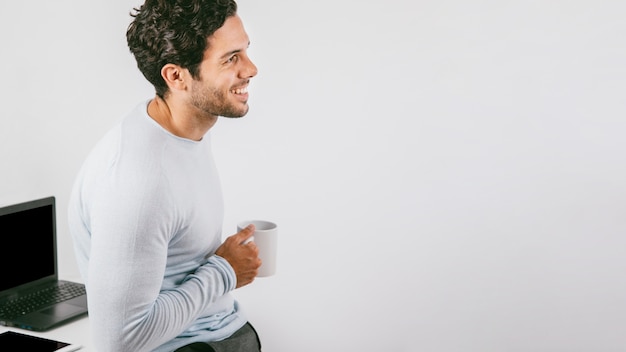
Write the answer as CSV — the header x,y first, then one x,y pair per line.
x,y
243,90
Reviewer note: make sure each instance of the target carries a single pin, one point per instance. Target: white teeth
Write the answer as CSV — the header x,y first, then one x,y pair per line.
x,y
240,90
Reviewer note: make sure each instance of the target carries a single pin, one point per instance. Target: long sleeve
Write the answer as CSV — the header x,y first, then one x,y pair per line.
x,y
146,214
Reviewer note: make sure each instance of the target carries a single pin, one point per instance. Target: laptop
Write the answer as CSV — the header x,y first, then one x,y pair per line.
x,y
31,295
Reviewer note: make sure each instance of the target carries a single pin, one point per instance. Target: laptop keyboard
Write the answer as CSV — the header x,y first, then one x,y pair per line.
x,y
45,297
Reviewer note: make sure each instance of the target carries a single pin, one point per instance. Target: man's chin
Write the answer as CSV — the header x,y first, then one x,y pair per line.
x,y
235,114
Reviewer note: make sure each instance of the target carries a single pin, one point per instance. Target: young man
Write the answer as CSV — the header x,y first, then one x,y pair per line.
x,y
146,209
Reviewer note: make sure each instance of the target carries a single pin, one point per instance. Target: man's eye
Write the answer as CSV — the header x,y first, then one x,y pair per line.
x,y
232,59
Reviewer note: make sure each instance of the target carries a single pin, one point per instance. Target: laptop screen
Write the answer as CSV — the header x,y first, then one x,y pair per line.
x,y
27,234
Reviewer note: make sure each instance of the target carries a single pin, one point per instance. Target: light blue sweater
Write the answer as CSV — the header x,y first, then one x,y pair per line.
x,y
146,216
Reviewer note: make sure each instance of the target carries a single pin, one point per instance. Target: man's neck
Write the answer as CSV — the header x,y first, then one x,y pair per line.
x,y
178,120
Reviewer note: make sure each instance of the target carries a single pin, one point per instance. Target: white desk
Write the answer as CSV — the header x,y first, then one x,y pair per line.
x,y
76,332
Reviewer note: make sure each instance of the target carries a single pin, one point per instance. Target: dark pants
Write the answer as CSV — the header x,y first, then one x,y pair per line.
x,y
243,340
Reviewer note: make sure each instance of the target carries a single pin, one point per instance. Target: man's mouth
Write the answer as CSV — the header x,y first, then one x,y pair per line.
x,y
243,90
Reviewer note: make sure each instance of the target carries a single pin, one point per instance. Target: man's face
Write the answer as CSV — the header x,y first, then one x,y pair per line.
x,y
222,88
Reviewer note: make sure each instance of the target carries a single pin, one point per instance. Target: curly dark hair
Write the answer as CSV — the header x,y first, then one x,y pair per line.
x,y
176,32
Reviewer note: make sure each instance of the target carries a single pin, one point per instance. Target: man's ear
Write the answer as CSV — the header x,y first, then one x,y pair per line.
x,y
175,76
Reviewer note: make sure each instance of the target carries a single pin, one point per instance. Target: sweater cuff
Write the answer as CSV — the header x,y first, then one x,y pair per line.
x,y
230,277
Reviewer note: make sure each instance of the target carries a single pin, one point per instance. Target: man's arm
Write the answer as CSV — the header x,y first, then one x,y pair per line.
x,y
129,250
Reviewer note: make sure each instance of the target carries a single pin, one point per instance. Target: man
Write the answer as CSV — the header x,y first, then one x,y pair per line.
x,y
146,209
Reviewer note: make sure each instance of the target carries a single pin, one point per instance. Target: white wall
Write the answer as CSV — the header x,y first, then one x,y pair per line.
x,y
447,175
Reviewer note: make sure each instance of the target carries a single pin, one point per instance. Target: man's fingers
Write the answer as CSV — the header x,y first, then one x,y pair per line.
x,y
244,236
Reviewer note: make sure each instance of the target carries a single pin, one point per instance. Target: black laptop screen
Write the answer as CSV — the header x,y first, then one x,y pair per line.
x,y
27,237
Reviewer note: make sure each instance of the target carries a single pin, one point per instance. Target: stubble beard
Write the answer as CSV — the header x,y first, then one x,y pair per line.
x,y
214,102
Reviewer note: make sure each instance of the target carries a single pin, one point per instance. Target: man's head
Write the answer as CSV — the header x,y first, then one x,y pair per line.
x,y
174,32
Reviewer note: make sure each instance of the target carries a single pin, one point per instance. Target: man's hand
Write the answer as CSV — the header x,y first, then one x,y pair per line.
x,y
242,256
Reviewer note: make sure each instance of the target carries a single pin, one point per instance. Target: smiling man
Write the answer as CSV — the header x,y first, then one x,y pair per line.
x,y
146,209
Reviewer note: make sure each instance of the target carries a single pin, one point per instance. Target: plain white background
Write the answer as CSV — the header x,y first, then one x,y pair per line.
x,y
447,175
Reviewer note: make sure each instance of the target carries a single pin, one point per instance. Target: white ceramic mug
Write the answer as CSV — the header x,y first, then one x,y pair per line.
x,y
266,239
